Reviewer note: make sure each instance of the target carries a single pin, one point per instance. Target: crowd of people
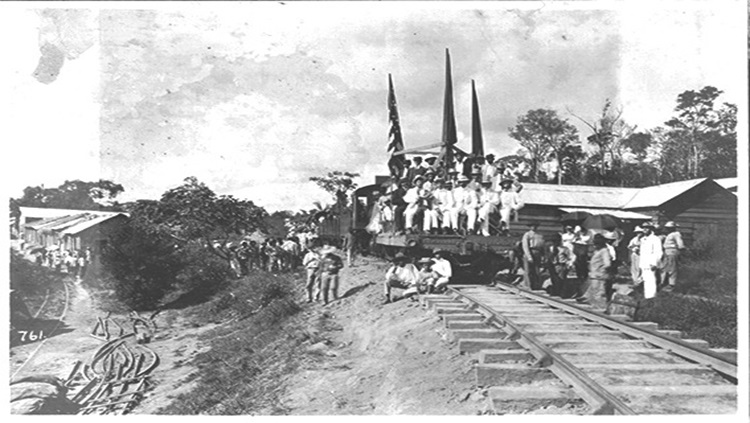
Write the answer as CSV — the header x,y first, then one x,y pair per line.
x,y
321,263
271,255
71,261
582,264
464,199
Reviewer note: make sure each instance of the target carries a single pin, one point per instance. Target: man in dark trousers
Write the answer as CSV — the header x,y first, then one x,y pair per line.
x,y
673,246
599,274
329,276
532,243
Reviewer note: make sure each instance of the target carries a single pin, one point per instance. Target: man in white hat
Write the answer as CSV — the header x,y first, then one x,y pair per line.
x,y
650,256
634,246
510,201
673,246
401,274
415,199
467,202
445,206
488,202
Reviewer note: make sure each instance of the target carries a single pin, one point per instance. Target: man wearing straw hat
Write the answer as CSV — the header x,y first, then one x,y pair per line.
x,y
673,245
401,274
634,246
650,256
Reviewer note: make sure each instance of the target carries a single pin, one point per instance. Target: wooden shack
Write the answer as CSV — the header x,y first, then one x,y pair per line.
x,y
695,205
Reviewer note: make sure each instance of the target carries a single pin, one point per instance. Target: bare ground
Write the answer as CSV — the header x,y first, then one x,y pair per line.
x,y
363,357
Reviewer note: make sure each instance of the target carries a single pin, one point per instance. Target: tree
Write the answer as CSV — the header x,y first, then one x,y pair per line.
x,y
339,184
700,134
608,132
543,134
193,212
178,242
76,194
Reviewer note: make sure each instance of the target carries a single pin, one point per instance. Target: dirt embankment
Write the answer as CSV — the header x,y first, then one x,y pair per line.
x,y
380,358
359,356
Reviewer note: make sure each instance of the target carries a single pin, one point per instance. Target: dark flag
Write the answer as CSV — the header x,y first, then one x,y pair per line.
x,y
395,141
477,144
449,117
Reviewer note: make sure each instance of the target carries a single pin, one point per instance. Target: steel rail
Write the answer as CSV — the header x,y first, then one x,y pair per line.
x,y
715,361
602,401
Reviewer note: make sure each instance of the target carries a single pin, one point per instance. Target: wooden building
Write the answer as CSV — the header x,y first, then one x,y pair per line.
x,y
695,205
78,231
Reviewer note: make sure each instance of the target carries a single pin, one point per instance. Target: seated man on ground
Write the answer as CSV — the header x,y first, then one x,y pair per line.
x,y
401,274
426,277
442,270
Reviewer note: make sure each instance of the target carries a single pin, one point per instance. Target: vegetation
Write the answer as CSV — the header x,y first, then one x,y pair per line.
x,y
240,374
177,245
698,318
78,195
700,140
704,303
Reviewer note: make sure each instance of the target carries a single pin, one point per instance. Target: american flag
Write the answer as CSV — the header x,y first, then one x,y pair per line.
x,y
395,141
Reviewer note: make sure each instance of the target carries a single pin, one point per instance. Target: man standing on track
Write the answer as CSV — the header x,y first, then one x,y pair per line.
x,y
673,246
651,253
532,243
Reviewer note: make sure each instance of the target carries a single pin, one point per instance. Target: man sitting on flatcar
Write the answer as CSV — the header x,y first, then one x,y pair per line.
x,y
467,203
488,202
446,207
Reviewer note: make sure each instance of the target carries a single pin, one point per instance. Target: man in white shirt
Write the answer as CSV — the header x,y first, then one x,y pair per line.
x,y
401,274
510,201
311,262
650,257
488,202
443,271
413,197
445,206
467,202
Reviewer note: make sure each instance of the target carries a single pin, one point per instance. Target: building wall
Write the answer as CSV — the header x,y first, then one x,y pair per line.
x,y
704,209
548,218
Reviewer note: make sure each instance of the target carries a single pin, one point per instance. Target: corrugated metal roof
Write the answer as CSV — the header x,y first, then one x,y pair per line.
x,y
576,195
622,214
53,221
657,195
82,226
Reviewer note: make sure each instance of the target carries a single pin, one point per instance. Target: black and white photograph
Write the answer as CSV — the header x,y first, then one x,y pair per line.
x,y
344,208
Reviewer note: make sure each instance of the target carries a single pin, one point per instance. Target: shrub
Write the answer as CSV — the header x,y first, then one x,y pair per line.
x,y
144,265
700,318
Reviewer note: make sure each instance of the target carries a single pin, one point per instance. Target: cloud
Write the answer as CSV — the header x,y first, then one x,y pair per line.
x,y
256,98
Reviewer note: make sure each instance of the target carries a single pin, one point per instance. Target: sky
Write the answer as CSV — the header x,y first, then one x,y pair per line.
x,y
255,98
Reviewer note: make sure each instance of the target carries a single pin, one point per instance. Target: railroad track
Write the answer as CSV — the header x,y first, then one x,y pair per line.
x,y
535,351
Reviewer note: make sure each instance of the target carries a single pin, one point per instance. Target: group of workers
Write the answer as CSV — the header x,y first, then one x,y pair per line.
x,y
322,266
594,258
654,257
430,275
73,262
461,200
271,255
